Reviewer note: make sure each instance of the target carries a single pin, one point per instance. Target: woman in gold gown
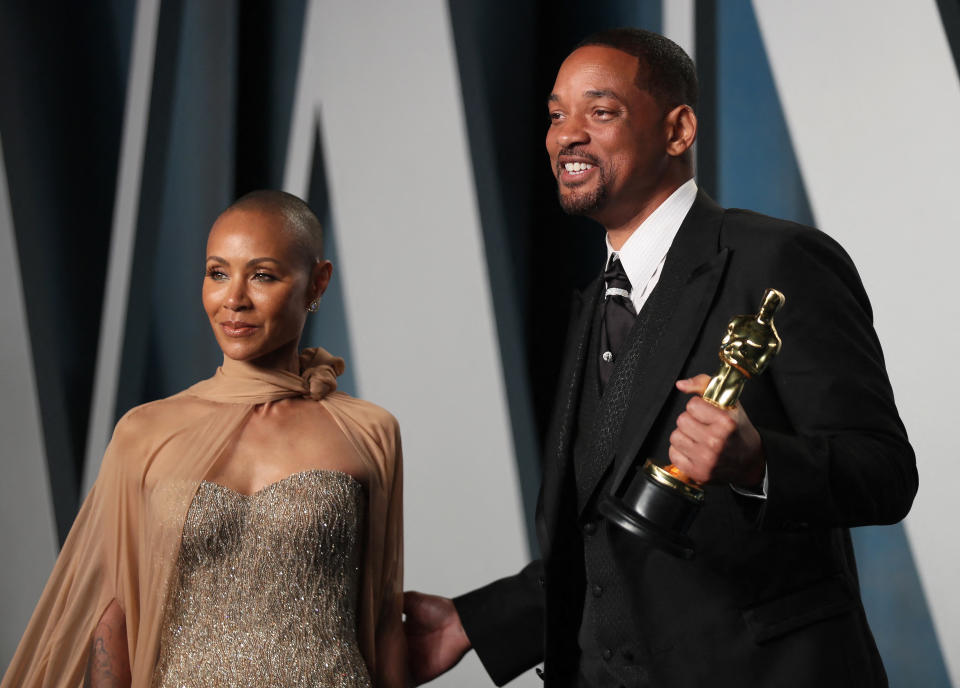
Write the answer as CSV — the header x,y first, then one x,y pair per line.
x,y
246,531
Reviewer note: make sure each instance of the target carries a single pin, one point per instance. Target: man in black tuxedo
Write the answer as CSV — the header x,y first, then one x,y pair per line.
x,y
815,446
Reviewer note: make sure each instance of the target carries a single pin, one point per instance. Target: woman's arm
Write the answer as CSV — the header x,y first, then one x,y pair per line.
x,y
391,653
109,663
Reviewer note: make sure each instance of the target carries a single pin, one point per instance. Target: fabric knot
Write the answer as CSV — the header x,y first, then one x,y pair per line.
x,y
320,370
618,317
618,284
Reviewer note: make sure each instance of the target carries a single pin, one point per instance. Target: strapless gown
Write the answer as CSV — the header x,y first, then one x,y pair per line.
x,y
265,592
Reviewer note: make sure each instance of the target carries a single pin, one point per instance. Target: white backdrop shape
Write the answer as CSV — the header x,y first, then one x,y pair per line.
x,y
28,536
872,101
382,80
103,403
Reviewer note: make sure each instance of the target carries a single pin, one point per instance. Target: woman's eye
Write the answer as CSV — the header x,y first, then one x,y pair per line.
x,y
263,277
216,275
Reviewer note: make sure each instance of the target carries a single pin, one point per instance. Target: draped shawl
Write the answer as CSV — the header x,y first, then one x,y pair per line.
x,y
125,541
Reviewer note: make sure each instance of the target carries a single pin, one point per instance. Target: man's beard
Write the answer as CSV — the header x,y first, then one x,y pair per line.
x,y
583,203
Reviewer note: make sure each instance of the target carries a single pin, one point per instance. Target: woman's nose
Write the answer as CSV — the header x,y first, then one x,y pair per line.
x,y
237,297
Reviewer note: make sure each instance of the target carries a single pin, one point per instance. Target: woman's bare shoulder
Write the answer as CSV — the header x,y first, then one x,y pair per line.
x,y
362,411
161,416
364,419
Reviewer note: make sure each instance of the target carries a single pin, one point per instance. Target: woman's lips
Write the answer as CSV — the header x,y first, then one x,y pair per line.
x,y
236,328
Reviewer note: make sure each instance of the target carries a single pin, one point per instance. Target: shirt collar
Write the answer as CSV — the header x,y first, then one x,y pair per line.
x,y
645,249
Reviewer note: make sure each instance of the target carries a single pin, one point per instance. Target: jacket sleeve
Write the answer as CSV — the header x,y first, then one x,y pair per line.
x,y
843,458
504,622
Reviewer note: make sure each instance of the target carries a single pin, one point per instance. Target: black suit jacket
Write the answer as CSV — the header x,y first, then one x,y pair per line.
x,y
771,597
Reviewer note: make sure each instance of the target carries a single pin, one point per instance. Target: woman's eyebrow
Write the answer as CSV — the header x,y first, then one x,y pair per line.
x,y
263,259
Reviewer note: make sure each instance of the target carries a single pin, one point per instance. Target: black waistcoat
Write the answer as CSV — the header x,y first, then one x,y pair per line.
x,y
607,635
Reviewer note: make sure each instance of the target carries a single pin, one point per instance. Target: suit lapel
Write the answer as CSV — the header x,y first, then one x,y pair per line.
x,y
658,344
558,447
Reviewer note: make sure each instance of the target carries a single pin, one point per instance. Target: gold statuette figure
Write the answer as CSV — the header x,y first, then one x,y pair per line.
x,y
746,350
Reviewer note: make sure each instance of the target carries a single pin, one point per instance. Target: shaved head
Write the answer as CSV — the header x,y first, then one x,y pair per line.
x,y
299,220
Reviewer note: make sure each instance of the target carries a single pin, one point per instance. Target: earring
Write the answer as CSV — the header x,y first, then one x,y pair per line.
x,y
315,305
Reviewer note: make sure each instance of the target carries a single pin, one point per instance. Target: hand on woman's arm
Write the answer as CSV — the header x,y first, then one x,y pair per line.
x,y
109,663
436,641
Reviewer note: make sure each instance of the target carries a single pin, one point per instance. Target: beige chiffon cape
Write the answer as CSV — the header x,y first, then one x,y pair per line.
x,y
125,541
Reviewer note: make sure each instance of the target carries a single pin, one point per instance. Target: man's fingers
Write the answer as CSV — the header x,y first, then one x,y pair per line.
x,y
425,613
708,414
412,605
691,426
683,462
703,441
684,444
699,457
694,385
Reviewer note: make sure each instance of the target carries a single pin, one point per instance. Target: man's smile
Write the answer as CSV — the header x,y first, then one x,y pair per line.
x,y
573,169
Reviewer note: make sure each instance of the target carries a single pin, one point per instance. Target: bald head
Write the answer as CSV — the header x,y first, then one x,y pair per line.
x,y
299,220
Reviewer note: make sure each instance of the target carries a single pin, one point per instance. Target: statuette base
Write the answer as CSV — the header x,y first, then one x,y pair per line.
x,y
657,507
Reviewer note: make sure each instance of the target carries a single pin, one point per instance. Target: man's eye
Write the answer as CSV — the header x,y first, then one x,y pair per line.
x,y
555,116
603,114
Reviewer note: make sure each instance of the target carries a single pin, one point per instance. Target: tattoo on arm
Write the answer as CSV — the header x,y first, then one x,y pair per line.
x,y
109,663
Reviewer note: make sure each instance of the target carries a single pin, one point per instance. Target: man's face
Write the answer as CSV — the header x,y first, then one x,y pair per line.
x,y
607,138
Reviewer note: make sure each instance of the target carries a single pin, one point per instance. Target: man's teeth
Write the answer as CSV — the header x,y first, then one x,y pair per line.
x,y
577,167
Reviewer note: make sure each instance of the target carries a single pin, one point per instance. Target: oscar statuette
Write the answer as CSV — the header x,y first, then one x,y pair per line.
x,y
660,502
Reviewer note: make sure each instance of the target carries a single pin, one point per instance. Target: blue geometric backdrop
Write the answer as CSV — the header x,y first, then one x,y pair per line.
x,y
224,89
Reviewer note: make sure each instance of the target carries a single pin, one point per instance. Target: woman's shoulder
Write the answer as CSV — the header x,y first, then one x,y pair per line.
x,y
361,409
362,416
144,428
154,417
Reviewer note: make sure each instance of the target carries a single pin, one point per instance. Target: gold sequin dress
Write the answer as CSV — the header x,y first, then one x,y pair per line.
x,y
266,588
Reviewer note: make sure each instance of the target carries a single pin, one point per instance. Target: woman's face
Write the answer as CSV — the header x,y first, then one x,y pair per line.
x,y
257,287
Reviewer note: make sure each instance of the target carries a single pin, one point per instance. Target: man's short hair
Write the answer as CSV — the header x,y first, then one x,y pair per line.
x,y
299,218
664,69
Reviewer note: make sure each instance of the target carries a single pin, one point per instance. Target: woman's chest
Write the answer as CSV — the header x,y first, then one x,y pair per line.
x,y
279,442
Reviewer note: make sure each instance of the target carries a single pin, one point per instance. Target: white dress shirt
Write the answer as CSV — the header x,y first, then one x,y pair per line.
x,y
644,253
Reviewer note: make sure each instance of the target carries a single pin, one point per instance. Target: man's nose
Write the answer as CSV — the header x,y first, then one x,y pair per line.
x,y
572,132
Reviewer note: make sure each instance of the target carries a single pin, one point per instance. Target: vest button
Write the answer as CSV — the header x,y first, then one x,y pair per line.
x,y
590,528
607,654
607,356
597,590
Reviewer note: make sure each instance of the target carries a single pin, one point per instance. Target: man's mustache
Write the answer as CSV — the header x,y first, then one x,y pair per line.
x,y
580,153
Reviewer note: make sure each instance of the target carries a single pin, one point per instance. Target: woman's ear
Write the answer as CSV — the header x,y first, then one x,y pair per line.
x,y
319,278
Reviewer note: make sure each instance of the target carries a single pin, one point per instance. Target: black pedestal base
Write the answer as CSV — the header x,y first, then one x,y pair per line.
x,y
657,513
677,544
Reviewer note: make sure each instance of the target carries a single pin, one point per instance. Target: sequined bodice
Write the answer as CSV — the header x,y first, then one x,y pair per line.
x,y
265,592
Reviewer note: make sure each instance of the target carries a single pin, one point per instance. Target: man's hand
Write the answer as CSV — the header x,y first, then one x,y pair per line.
x,y
436,640
711,444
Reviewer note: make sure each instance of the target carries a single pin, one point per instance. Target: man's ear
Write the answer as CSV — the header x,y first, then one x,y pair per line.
x,y
681,127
